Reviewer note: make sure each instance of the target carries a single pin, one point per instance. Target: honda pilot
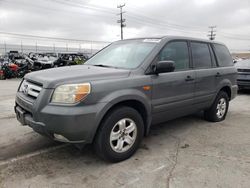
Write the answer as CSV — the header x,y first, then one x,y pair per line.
x,y
118,94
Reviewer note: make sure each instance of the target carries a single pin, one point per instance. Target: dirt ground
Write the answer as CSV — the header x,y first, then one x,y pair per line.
x,y
186,152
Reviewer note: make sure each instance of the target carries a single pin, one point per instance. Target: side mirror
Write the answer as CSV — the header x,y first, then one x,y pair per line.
x,y
163,66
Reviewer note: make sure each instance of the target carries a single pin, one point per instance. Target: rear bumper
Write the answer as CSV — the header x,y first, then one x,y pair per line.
x,y
234,91
72,124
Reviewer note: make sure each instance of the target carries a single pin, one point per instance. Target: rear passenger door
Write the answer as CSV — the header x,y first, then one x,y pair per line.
x,y
205,73
173,92
225,69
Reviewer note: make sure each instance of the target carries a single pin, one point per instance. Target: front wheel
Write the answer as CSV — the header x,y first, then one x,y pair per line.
x,y
218,111
119,135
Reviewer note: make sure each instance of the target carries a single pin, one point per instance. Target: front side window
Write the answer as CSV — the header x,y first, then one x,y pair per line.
x,y
124,54
178,52
201,55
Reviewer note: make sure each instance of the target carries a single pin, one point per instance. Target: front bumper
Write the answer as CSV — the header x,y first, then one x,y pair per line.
x,y
243,80
243,83
26,119
73,124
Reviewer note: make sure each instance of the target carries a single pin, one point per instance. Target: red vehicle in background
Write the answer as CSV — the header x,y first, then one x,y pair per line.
x,y
12,70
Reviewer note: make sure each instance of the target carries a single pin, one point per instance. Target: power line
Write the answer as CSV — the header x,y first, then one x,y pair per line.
x,y
167,23
138,18
233,36
161,26
90,7
121,21
155,22
211,34
50,38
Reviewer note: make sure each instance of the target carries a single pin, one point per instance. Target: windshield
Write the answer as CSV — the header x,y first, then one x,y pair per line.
x,y
128,54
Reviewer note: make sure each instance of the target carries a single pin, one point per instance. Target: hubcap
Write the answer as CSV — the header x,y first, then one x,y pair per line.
x,y
123,135
221,108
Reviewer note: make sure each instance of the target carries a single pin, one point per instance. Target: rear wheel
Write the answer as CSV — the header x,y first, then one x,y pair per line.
x,y
120,134
218,111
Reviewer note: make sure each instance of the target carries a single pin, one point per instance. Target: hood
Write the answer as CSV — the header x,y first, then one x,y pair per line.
x,y
245,64
51,78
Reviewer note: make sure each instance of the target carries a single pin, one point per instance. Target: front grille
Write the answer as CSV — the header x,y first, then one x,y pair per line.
x,y
240,80
243,70
30,89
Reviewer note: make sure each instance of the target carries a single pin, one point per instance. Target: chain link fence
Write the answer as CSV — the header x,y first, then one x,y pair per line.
x,y
87,48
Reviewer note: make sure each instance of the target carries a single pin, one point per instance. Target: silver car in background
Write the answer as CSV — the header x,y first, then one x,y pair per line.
x,y
243,79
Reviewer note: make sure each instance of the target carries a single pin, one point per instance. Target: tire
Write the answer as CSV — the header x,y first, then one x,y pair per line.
x,y
214,114
116,123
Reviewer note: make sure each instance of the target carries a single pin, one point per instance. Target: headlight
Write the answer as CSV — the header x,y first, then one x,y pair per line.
x,y
71,93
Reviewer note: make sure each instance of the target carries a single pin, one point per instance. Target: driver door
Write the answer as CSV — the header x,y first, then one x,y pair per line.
x,y
173,92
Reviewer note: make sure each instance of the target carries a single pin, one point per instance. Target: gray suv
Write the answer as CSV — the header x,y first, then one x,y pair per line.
x,y
114,99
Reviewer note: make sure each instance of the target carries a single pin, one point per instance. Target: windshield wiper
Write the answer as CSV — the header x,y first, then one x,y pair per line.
x,y
101,65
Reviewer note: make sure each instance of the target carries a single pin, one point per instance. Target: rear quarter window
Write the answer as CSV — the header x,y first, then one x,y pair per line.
x,y
223,55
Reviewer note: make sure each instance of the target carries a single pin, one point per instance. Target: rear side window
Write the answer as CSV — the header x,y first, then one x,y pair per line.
x,y
178,52
201,55
223,56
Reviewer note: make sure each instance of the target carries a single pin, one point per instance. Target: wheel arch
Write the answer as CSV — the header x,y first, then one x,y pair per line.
x,y
138,104
227,89
226,86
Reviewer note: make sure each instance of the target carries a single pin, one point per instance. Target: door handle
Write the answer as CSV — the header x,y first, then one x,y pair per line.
x,y
218,74
189,78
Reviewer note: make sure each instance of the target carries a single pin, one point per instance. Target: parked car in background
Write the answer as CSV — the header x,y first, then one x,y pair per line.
x,y
3,61
66,59
243,79
44,60
118,94
13,54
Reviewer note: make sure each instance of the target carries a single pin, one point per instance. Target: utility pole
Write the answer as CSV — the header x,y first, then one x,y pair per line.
x,y
22,46
91,46
80,48
54,48
121,20
36,47
5,48
211,33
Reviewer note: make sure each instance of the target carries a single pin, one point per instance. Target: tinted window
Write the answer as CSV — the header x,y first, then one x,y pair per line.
x,y
223,56
201,55
177,52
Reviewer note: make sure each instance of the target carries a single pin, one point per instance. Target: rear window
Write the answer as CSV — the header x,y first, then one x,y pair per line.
x,y
223,56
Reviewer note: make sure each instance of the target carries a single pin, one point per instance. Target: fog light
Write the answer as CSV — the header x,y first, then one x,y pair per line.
x,y
60,138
